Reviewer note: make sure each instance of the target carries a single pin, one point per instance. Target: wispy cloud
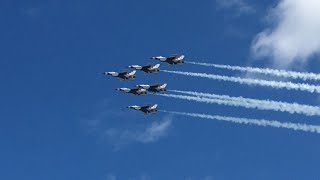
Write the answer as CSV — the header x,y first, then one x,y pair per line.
x,y
31,12
143,176
151,133
111,177
293,34
120,127
154,132
208,178
239,6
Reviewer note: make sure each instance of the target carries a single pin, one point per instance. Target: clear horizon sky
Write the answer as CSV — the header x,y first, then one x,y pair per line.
x,y
62,119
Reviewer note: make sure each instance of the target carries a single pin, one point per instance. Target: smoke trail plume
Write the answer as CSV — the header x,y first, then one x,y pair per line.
x,y
266,104
259,82
247,104
258,122
266,71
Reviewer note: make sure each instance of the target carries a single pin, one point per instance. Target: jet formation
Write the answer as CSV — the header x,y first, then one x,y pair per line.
x,y
142,89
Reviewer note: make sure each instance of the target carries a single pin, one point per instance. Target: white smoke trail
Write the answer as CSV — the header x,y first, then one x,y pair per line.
x,y
266,104
266,71
273,84
245,104
258,122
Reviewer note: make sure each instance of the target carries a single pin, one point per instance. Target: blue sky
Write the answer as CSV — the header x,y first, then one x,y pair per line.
x,y
62,119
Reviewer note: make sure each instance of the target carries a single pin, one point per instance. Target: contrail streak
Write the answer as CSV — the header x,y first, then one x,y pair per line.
x,y
259,104
245,104
266,71
258,122
259,82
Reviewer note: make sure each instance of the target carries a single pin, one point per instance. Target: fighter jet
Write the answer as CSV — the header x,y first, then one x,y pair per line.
x,y
147,68
173,59
154,88
135,91
145,109
122,75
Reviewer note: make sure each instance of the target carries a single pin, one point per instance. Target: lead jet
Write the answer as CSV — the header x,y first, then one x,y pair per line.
x,y
154,88
147,68
145,109
173,59
122,75
135,91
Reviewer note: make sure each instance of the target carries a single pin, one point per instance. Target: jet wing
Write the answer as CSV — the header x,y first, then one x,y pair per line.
x,y
123,73
136,89
172,58
147,66
145,107
153,87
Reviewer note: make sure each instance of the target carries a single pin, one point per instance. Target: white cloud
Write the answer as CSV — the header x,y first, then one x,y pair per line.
x,y
154,132
143,176
31,12
240,6
111,177
113,126
208,178
293,35
205,178
149,134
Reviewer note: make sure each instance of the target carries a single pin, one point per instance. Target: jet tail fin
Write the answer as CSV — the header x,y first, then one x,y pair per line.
x,y
164,85
156,66
132,73
154,106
